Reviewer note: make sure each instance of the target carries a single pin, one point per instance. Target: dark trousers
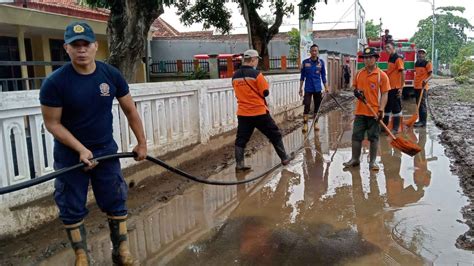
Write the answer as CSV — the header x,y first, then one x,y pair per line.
x,y
365,124
423,113
394,104
108,184
264,123
316,96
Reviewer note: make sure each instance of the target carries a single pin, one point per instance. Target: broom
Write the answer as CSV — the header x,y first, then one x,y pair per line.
x,y
398,143
410,122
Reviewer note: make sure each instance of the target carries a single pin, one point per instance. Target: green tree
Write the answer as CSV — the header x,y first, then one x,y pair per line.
x,y
294,42
450,33
463,66
127,30
372,31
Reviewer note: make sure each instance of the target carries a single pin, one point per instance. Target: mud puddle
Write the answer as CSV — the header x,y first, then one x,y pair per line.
x,y
310,212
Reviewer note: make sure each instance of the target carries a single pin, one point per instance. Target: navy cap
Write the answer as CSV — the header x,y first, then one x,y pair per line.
x,y
369,52
78,31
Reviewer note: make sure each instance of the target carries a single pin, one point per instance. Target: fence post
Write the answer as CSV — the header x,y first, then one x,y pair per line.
x,y
298,61
283,63
179,65
230,67
203,110
196,64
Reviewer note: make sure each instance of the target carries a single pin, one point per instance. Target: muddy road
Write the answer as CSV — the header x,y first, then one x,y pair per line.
x,y
452,110
310,212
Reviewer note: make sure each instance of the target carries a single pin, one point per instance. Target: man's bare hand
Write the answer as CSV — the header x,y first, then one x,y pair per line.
x,y
141,151
84,156
301,93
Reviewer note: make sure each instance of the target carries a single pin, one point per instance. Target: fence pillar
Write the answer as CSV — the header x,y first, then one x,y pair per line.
x,y
196,64
204,120
213,66
179,65
230,67
283,63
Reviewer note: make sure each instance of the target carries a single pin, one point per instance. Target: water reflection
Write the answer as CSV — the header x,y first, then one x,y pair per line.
x,y
310,212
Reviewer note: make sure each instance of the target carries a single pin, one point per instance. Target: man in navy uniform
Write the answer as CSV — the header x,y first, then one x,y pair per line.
x,y
76,102
313,71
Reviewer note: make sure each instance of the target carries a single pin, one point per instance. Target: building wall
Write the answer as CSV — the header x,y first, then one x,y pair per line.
x,y
185,49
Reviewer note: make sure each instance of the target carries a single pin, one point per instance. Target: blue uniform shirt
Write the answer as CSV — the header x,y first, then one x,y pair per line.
x,y
313,72
86,101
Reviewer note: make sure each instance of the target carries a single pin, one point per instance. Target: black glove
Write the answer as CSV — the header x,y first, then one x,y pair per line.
x,y
359,94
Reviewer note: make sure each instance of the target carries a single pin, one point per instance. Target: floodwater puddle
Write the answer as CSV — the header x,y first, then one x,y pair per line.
x,y
311,212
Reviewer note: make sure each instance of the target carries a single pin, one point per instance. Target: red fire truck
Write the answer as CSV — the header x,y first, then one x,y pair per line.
x,y
404,48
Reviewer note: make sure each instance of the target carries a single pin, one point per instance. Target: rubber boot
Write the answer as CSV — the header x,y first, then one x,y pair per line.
x,y
373,166
385,120
395,125
239,160
422,120
280,150
356,150
305,123
316,123
77,236
118,234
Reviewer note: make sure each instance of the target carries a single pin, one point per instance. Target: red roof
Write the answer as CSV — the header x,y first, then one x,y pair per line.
x,y
65,7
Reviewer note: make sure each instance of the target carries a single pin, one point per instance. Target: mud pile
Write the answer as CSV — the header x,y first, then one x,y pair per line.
x,y
455,117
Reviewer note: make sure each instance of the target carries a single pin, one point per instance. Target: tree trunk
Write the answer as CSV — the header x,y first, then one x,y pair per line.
x,y
261,33
127,32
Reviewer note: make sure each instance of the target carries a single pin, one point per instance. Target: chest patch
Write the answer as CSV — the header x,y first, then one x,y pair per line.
x,y
372,86
307,65
104,89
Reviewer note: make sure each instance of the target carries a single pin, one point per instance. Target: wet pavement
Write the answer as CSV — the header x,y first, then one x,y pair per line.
x,y
311,212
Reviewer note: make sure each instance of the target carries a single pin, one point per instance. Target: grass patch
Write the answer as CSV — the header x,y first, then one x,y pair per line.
x,y
465,93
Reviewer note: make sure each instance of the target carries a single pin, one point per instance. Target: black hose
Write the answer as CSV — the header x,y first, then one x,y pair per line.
x,y
47,177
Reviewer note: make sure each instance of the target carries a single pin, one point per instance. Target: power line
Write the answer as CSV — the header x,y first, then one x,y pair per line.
x,y
344,15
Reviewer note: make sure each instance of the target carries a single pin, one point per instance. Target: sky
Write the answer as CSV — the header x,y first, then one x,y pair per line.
x,y
400,16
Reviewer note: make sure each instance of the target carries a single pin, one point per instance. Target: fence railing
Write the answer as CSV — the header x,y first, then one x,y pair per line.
x,y
17,83
178,66
174,114
20,84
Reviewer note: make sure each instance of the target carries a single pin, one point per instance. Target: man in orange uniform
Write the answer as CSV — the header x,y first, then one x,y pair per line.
x,y
423,71
373,84
251,88
396,75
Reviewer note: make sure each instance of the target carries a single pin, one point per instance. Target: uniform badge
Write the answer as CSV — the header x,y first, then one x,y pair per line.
x,y
78,29
372,86
307,64
104,89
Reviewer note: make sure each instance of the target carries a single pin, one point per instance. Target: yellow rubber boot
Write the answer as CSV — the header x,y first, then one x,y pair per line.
x,y
118,234
305,123
77,236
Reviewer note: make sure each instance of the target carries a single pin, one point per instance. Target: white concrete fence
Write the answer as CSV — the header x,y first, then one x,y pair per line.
x,y
175,115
